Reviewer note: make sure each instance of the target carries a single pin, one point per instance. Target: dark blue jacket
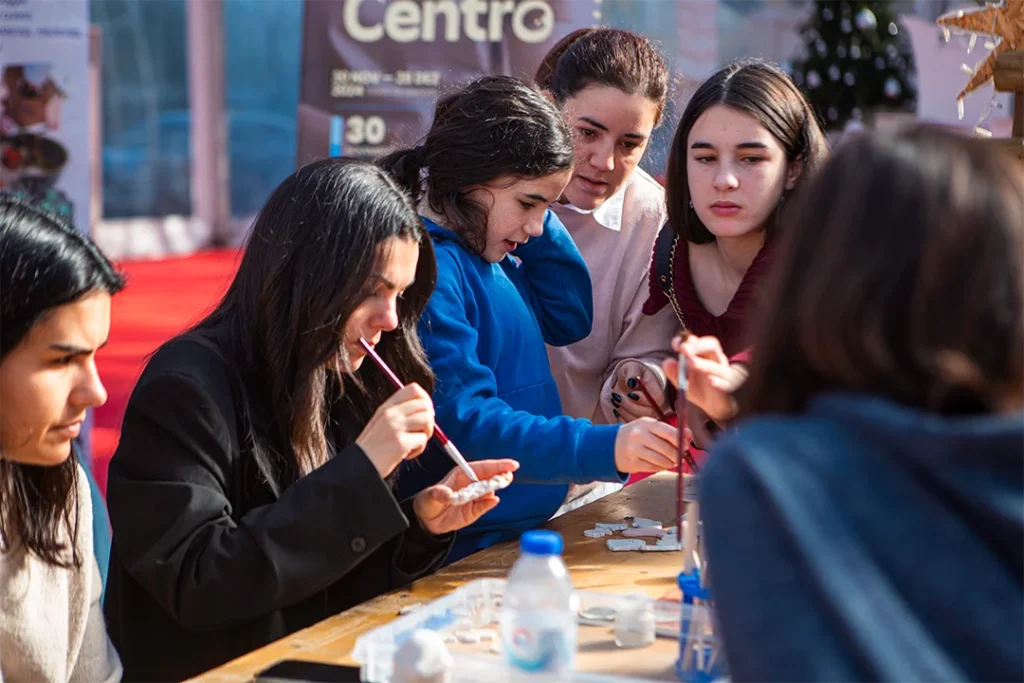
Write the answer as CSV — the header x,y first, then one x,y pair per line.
x,y
864,540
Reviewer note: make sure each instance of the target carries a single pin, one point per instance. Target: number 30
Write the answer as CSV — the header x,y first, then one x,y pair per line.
x,y
369,130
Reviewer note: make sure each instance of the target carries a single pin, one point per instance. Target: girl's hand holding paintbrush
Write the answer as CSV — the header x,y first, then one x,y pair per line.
x,y
399,430
638,391
712,378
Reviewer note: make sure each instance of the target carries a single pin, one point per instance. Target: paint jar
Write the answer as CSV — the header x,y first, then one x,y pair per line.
x,y
634,622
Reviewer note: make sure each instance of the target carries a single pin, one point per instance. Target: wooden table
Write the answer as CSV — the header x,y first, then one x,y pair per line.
x,y
591,564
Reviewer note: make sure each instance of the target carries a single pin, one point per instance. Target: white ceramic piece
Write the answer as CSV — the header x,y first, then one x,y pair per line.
x,y
625,544
479,489
423,658
644,523
599,532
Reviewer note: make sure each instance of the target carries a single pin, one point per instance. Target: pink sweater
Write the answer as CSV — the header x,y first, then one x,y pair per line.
x,y
619,262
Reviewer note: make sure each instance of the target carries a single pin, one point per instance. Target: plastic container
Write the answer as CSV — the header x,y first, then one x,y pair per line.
x,y
477,605
635,625
701,658
538,617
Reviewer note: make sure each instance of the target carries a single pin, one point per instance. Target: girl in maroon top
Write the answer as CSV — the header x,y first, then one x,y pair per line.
x,y
744,142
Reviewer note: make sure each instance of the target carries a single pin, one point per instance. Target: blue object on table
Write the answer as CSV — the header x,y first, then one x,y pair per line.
x,y
690,585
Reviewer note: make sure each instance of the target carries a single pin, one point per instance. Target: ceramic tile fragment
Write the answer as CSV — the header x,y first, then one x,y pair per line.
x,y
664,548
644,523
479,489
623,544
644,533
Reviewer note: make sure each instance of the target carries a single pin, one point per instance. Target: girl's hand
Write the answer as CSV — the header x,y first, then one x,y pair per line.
x,y
712,379
399,430
626,400
433,506
647,445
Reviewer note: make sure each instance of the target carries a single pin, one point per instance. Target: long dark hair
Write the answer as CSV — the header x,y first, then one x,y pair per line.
x,y
496,126
763,91
901,275
605,57
44,263
306,267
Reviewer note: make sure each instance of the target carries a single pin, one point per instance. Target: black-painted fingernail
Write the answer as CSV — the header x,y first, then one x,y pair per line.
x,y
616,413
616,397
631,382
635,397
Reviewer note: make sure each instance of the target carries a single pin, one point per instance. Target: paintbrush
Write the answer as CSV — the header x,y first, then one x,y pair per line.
x,y
446,444
684,453
661,413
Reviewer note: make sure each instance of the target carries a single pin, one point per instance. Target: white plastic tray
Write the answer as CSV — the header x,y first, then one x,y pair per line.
x,y
476,606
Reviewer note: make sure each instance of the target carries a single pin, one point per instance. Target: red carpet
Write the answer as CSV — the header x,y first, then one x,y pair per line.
x,y
162,299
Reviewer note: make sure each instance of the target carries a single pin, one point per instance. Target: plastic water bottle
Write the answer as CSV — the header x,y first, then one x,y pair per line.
x,y
538,615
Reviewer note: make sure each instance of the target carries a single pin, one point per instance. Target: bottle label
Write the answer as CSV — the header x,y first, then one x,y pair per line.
x,y
539,641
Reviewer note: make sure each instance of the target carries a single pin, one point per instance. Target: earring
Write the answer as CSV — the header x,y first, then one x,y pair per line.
x,y
691,203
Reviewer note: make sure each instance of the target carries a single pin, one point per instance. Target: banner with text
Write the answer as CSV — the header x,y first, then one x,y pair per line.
x,y
44,110
372,69
44,95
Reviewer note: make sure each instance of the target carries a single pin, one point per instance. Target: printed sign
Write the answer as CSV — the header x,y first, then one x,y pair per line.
x,y
44,91
44,110
372,69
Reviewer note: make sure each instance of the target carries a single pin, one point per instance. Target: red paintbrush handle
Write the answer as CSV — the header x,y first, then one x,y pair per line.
x,y
647,395
441,437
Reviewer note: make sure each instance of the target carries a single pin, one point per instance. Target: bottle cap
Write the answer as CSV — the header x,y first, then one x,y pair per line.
x,y
689,584
541,543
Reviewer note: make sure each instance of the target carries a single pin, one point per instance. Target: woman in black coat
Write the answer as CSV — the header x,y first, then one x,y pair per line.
x,y
251,494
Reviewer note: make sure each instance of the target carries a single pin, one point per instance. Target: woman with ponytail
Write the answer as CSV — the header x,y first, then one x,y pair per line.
x,y
509,280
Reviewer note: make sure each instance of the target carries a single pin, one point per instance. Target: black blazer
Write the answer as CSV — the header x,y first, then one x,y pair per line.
x,y
207,562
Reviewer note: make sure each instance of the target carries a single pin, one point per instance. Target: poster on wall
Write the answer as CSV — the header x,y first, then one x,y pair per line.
x,y
44,90
44,111
372,69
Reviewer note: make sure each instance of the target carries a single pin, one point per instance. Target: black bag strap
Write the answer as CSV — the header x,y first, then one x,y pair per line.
x,y
663,247
664,267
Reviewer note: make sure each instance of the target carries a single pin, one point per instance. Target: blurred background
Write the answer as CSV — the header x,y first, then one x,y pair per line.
x,y
150,94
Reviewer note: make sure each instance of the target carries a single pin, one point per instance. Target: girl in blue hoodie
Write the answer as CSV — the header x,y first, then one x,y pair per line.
x,y
509,280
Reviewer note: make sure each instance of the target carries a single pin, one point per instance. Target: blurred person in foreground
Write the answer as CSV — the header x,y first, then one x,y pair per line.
x,y
875,481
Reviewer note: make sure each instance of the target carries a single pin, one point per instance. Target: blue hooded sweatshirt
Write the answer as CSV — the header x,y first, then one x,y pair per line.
x,y
864,540
484,331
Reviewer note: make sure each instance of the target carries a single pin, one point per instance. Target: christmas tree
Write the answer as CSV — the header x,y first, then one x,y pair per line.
x,y
854,61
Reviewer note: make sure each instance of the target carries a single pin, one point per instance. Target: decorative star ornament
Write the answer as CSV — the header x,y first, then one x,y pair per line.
x,y
1004,22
